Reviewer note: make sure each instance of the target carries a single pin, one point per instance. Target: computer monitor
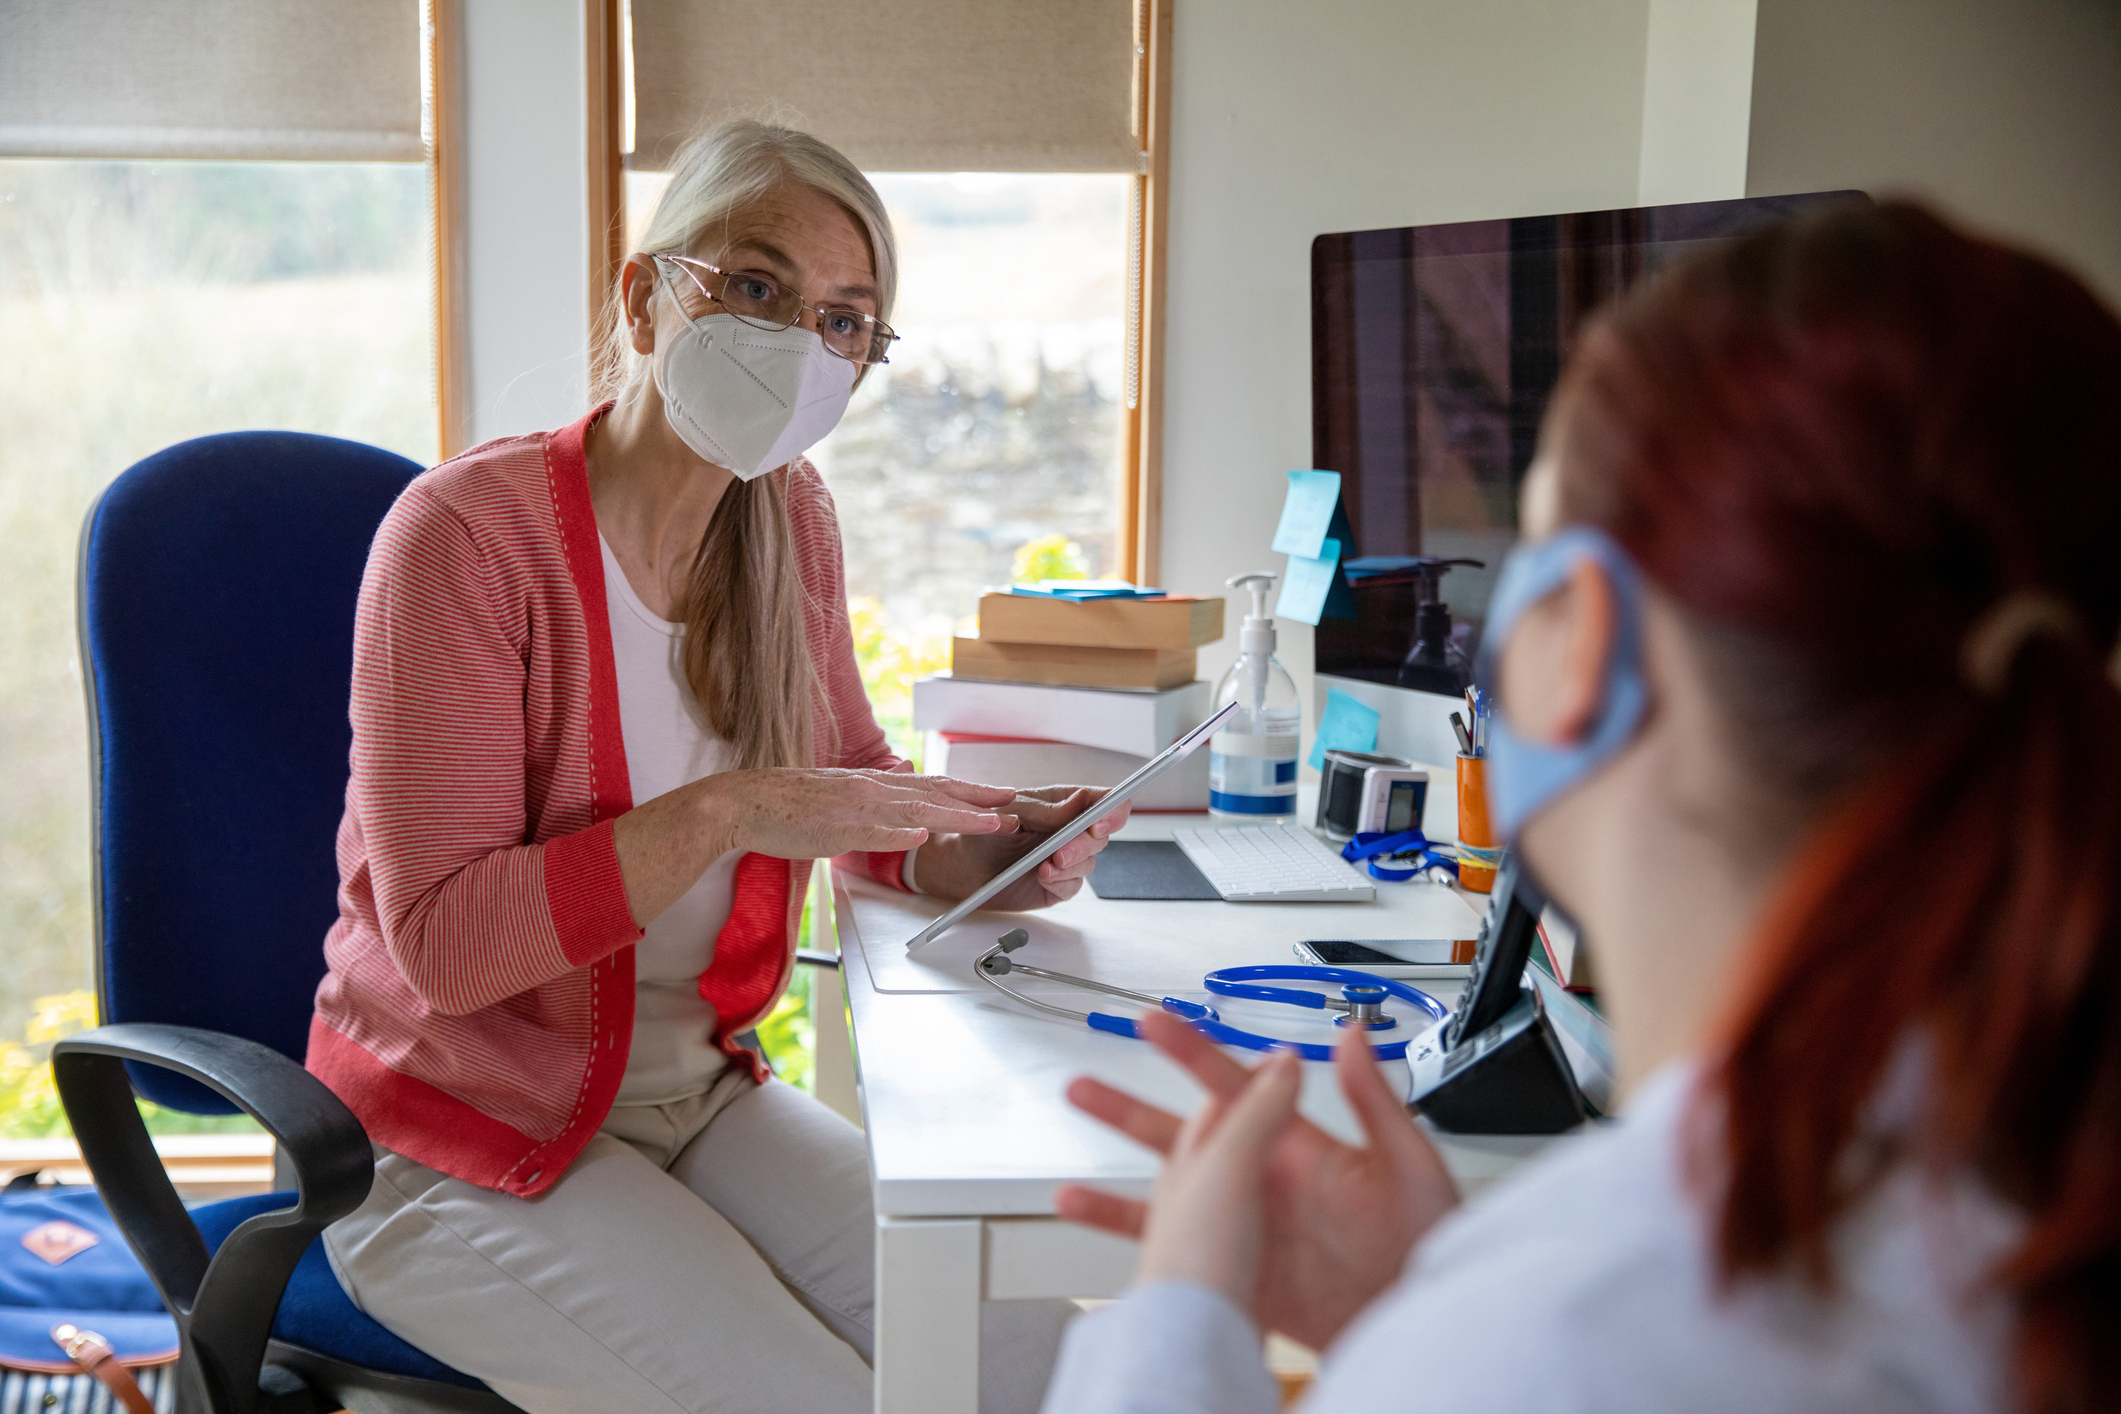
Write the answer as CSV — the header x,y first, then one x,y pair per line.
x,y
1433,352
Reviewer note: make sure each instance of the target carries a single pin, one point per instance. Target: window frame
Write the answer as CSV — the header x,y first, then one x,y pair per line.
x,y
1142,456
442,131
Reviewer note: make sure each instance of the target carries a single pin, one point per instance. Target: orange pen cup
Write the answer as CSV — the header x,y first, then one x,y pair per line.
x,y
1477,851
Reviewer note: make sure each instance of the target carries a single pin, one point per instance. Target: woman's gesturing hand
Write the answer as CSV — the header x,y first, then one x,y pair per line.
x,y
1205,1224
1331,1223
952,867
665,844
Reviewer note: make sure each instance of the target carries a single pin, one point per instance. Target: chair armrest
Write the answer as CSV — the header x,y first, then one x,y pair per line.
x,y
224,1306
810,957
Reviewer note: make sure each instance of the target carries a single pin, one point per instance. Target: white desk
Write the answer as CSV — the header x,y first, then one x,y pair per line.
x,y
961,1089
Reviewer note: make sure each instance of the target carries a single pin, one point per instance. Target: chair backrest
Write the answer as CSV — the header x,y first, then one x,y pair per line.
x,y
217,589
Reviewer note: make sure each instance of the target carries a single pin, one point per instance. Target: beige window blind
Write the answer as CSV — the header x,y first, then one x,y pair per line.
x,y
286,79
897,85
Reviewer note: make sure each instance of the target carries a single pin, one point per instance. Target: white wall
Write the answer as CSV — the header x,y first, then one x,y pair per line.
x,y
1289,121
526,214
2007,112
1697,100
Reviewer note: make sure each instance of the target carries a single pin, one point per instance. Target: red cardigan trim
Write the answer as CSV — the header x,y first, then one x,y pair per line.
x,y
589,892
752,955
567,472
404,1114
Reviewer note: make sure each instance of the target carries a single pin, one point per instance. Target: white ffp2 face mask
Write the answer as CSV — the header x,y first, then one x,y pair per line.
x,y
750,399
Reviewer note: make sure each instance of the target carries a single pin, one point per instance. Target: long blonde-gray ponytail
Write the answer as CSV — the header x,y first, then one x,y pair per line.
x,y
747,651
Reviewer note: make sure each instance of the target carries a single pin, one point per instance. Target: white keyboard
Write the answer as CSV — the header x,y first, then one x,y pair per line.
x,y
1273,864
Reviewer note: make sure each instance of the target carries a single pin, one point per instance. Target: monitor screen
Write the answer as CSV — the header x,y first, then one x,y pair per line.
x,y
1433,352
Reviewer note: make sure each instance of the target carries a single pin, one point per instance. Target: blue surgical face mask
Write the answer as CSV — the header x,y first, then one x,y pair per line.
x,y
1523,776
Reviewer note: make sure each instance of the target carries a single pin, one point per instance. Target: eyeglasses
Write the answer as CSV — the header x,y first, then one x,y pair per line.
x,y
765,303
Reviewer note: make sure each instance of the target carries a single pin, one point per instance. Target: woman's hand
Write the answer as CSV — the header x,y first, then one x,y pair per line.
x,y
1332,1224
665,844
953,866
821,813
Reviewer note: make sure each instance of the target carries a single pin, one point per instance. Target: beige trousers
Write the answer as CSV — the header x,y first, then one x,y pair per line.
x,y
716,1254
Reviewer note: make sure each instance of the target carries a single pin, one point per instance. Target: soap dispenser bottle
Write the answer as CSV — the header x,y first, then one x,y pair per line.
x,y
1435,663
1252,760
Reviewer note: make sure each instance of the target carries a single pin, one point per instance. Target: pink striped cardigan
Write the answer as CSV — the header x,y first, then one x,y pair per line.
x,y
479,1004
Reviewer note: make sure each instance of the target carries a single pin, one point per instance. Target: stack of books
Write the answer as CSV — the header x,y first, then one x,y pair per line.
x,y
1148,644
1055,691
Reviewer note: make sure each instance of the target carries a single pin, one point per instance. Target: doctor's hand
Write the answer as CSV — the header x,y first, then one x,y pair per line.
x,y
952,866
1332,1223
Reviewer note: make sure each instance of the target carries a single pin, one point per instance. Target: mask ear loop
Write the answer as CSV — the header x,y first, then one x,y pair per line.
x,y
1524,775
670,282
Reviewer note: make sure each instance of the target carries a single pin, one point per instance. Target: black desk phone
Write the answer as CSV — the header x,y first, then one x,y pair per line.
x,y
1496,1067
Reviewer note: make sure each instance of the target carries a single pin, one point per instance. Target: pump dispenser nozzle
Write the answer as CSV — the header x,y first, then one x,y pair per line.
x,y
1252,760
1257,635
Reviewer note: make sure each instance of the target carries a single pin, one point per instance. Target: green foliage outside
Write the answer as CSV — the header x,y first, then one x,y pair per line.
x,y
1048,557
788,1035
29,1104
891,659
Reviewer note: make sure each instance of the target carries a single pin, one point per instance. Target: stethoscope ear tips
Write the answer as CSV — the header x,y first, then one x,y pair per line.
x,y
995,962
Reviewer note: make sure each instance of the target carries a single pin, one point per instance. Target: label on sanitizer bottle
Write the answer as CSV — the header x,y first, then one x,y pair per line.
x,y
1254,775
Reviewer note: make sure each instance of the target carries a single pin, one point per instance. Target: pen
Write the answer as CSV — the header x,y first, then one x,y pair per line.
x,y
1465,742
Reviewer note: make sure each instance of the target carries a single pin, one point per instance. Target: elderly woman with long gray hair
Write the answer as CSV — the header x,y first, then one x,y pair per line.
x,y
606,711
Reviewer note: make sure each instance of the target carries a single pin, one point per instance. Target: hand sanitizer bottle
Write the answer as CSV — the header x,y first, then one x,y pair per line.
x,y
1252,761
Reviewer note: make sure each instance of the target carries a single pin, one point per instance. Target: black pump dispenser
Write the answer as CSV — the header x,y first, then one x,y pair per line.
x,y
1435,663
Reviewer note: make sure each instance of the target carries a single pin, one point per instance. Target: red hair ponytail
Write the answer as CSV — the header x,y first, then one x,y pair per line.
x,y
1841,446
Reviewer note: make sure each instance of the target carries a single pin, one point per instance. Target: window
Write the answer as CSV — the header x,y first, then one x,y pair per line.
x,y
146,303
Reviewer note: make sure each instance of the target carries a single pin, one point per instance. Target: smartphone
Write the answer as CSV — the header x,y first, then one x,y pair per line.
x,y
1439,958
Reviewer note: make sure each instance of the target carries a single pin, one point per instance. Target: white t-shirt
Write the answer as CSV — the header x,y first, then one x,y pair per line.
x,y
668,744
1587,1285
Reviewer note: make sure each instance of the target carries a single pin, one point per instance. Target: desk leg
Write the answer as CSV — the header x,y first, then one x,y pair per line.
x,y
927,1315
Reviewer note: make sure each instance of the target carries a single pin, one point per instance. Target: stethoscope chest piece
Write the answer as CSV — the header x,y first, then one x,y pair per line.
x,y
1366,1007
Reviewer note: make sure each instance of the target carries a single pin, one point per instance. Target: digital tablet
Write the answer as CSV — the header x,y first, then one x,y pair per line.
x,y
1114,798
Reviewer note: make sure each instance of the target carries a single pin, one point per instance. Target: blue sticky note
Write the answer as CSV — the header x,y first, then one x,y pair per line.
x,y
1307,513
1340,599
1347,726
1307,583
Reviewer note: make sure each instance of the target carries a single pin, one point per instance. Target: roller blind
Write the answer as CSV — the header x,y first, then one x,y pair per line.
x,y
288,79
897,85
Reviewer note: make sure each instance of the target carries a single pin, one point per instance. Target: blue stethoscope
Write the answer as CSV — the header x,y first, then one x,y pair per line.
x,y
1361,1000
1412,846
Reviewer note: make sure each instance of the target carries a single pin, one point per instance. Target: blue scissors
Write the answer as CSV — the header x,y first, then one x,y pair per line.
x,y
1361,1000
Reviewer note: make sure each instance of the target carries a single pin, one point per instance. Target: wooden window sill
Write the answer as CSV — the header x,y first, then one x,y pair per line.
x,y
205,1167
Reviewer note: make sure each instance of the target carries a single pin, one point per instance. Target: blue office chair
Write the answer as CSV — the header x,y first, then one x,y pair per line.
x,y
217,588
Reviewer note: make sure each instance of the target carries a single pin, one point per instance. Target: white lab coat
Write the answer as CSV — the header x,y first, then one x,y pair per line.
x,y
1587,1284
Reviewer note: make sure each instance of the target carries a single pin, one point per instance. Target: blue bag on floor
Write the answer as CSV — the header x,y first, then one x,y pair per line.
x,y
63,1262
